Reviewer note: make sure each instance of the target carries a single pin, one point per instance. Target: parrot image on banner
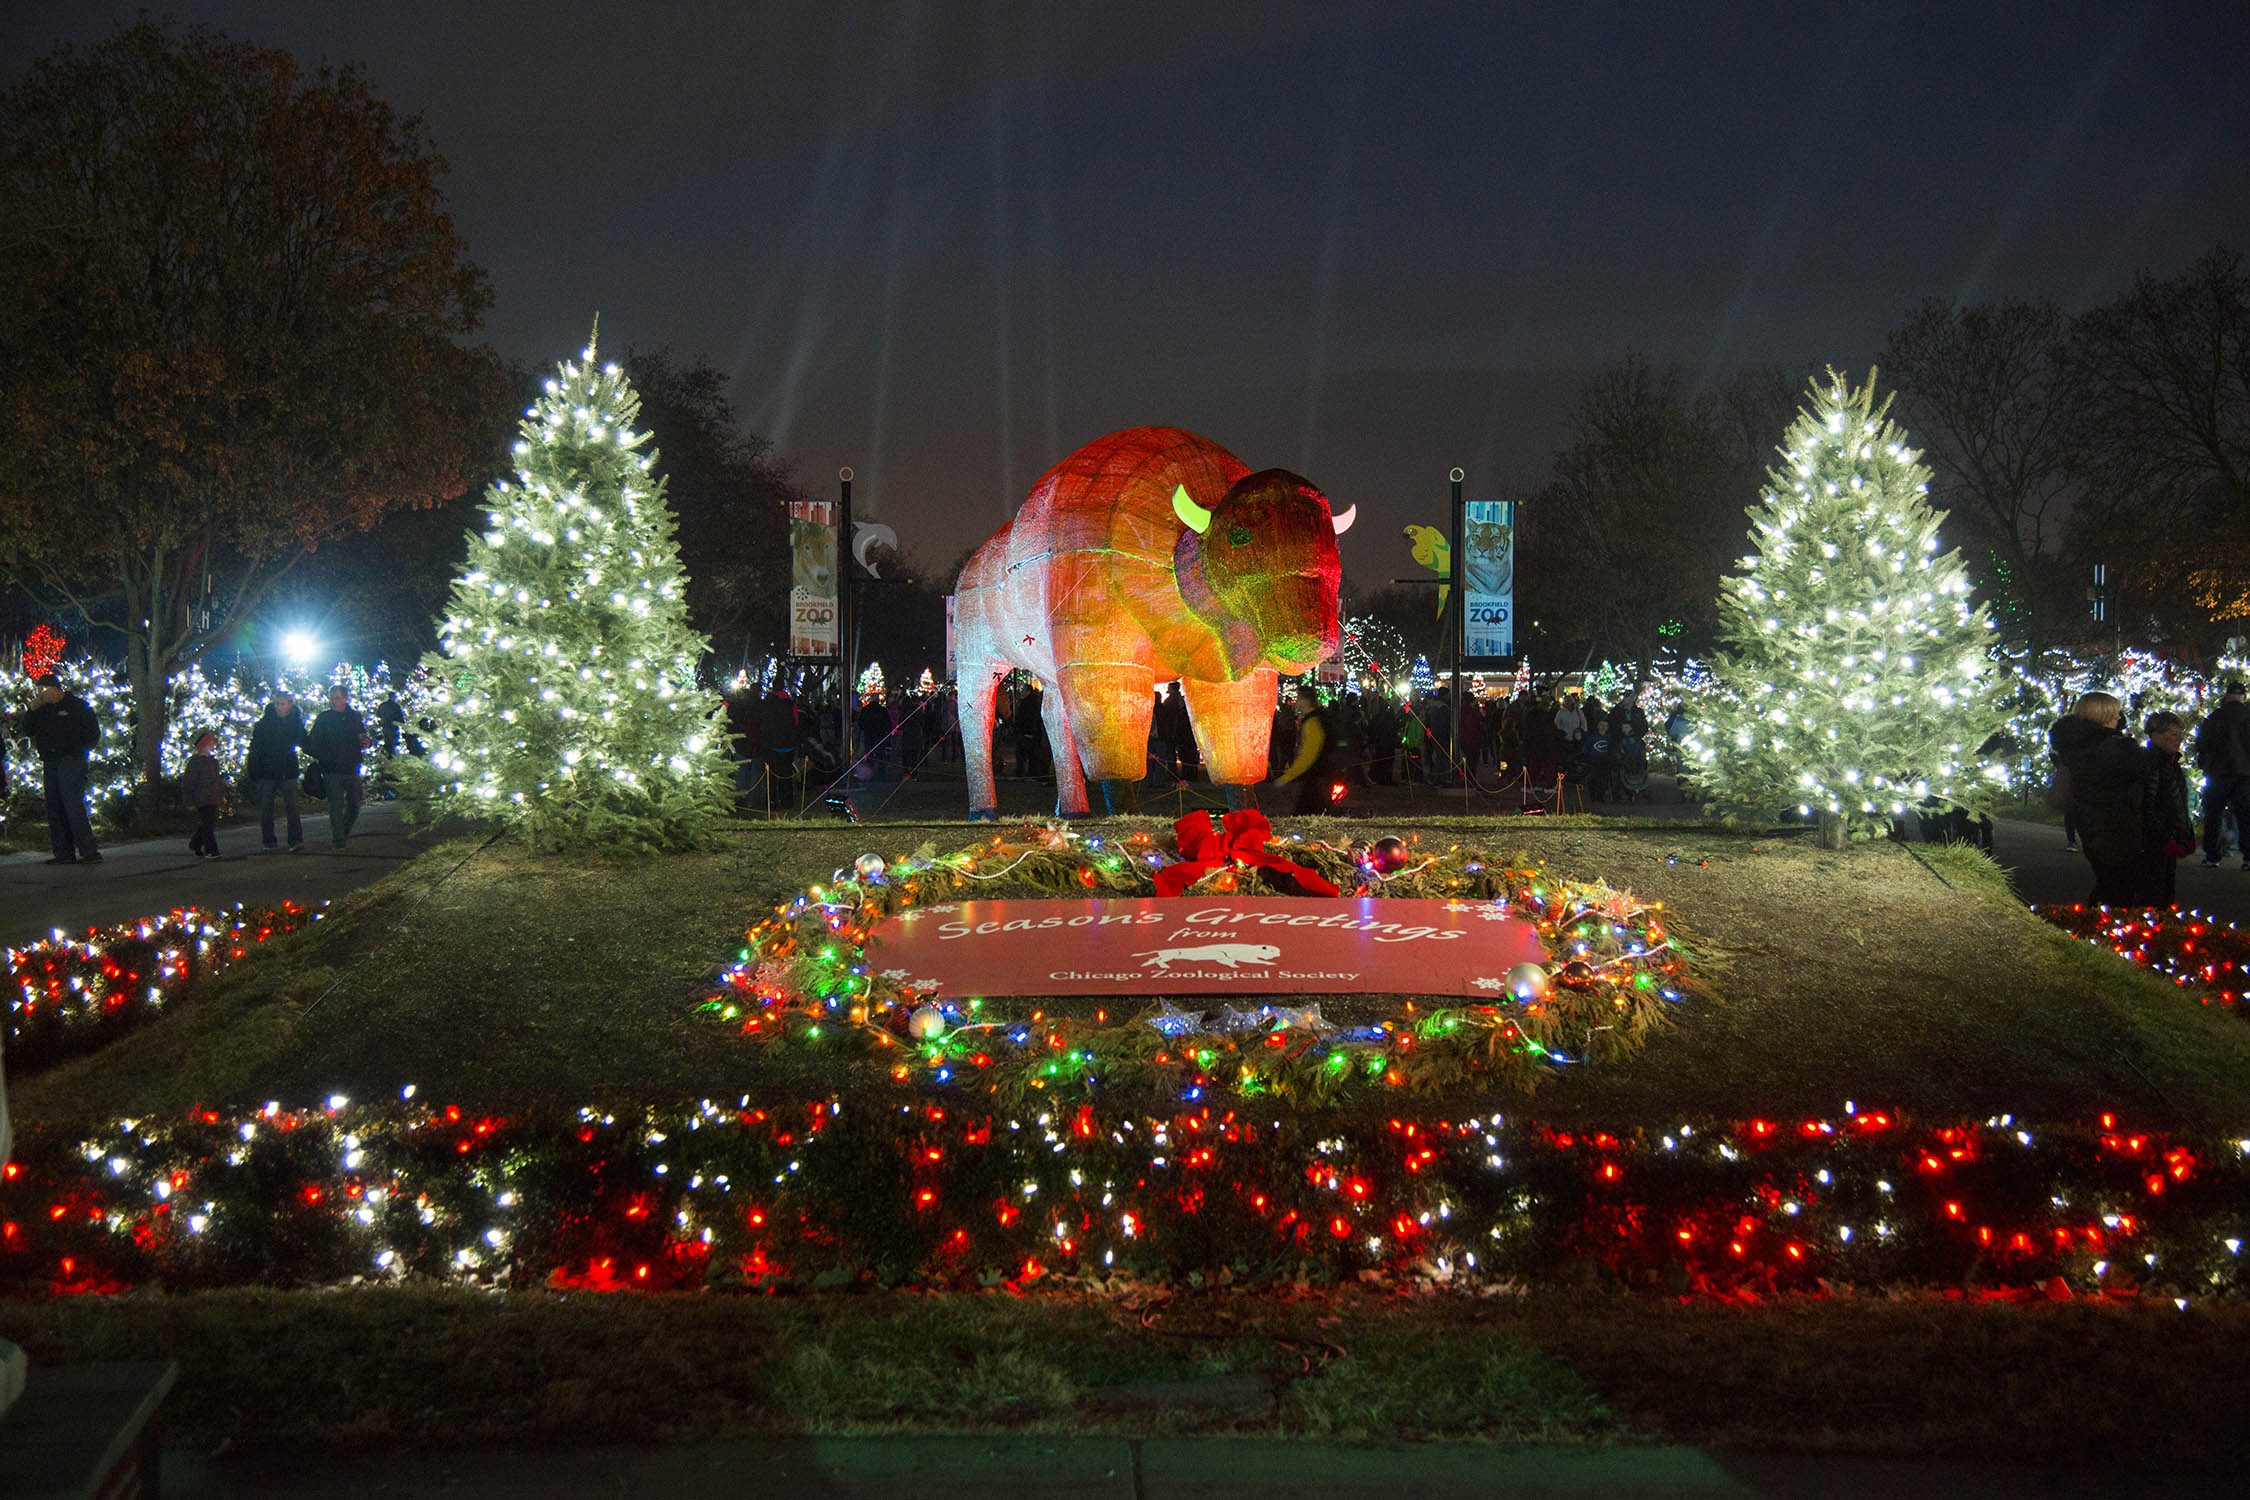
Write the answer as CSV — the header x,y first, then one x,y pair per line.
x,y
1433,551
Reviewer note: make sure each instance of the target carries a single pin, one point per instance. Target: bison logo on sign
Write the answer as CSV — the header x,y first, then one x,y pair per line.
x,y
1233,955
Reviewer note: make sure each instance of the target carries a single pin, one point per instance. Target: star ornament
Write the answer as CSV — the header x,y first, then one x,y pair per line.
x,y
1302,1018
1170,1020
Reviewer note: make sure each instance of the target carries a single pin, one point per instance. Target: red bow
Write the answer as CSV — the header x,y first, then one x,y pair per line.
x,y
1208,843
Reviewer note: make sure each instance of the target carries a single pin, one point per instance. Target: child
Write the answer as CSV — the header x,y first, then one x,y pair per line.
x,y
202,791
2167,834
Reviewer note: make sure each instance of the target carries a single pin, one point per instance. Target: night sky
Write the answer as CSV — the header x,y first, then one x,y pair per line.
x,y
947,243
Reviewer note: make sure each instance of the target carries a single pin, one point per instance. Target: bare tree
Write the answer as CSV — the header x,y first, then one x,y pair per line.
x,y
731,495
1643,514
1988,392
2167,373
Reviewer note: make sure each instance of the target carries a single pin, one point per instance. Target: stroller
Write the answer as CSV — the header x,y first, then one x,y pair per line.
x,y
1632,768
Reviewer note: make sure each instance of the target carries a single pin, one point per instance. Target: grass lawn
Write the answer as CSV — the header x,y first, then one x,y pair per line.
x,y
499,980
502,981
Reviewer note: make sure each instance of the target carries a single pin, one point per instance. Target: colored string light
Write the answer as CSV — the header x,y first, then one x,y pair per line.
x,y
815,1193
2190,949
807,976
68,996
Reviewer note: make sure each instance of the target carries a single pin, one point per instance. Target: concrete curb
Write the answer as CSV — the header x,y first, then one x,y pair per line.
x,y
1099,1468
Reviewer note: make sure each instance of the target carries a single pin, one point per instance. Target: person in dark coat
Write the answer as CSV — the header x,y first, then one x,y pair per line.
x,y
1176,727
1281,743
1437,749
1027,719
2222,750
2167,831
1468,735
781,735
64,729
876,726
271,766
2105,770
1600,751
1381,715
338,740
1544,747
390,717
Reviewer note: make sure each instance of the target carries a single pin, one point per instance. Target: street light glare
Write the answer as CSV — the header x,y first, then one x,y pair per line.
x,y
299,646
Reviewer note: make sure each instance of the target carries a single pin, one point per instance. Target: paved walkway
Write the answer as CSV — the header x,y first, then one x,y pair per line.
x,y
2044,873
1051,1468
140,879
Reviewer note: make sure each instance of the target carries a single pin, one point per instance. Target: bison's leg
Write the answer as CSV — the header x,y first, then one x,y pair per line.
x,y
1110,706
1233,722
980,687
1070,778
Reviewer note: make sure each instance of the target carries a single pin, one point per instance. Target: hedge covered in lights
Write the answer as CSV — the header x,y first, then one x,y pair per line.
x,y
827,1194
68,996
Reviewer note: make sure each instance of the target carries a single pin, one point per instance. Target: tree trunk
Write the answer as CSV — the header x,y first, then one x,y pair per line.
x,y
151,686
1831,830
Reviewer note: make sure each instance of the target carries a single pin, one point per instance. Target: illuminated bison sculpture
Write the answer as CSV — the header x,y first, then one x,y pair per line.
x,y
1147,555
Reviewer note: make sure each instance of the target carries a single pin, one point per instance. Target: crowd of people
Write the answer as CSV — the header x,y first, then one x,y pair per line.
x,y
1534,744
65,731
788,748
2125,801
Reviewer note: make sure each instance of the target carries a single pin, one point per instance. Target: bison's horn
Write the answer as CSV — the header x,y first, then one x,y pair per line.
x,y
1343,522
1195,517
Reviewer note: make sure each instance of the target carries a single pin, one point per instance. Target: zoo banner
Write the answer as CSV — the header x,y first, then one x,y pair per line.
x,y
1488,579
1206,946
812,578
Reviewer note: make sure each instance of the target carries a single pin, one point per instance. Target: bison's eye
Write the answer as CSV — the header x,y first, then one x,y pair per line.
x,y
1238,536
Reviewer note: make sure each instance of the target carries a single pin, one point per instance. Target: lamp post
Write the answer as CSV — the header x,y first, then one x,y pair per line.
x,y
847,626
1457,617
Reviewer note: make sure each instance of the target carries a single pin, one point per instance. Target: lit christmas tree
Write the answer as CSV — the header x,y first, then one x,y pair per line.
x,y
1855,680
565,680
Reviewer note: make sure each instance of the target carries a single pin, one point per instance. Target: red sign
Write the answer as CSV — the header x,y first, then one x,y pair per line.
x,y
1206,946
